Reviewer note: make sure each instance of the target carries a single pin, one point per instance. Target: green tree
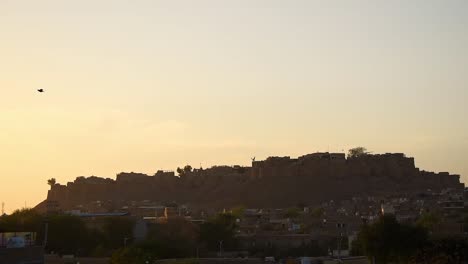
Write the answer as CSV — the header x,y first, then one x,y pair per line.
x,y
24,220
428,220
238,211
443,251
68,234
134,255
116,230
175,239
389,241
219,230
293,212
312,249
318,212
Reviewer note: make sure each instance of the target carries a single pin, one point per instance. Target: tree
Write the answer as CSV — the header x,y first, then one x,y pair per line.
x,y
187,169
175,239
389,241
443,251
131,255
318,212
293,212
238,211
116,230
357,152
67,234
428,220
184,171
51,182
24,220
221,228
180,171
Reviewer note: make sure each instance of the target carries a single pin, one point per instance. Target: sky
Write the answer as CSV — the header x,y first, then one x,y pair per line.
x,y
148,85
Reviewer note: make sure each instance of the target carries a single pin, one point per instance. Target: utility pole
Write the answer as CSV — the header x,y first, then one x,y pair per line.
x,y
3,208
339,246
220,248
340,226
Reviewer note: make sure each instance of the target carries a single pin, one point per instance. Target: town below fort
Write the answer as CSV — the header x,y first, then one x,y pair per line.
x,y
318,208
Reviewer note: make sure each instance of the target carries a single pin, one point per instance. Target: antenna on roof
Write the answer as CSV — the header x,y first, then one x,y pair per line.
x,y
253,159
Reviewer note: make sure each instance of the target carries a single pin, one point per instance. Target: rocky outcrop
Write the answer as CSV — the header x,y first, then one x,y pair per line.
x,y
274,182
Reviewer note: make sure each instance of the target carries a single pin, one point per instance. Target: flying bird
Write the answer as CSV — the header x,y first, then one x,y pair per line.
x,y
40,90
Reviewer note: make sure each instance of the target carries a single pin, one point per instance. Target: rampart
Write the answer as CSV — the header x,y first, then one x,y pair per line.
x,y
276,181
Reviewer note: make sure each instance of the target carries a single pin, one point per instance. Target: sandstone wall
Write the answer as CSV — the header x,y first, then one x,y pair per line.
x,y
274,182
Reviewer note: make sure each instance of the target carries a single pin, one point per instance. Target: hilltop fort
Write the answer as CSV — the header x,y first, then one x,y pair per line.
x,y
274,182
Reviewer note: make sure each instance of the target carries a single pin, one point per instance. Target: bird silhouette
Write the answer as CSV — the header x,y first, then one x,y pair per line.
x,y
40,90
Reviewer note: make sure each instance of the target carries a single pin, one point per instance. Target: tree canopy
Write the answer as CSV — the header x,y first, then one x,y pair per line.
x,y
357,152
220,228
183,171
429,220
24,220
389,241
68,234
51,182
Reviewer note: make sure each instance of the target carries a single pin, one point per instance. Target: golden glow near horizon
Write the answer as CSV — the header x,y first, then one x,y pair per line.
x,y
148,85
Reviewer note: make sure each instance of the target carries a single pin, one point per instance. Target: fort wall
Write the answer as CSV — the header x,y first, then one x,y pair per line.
x,y
272,182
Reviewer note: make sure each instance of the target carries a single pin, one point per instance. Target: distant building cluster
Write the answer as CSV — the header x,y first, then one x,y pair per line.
x,y
330,222
319,199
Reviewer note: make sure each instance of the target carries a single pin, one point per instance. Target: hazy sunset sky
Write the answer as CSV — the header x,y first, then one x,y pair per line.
x,y
147,85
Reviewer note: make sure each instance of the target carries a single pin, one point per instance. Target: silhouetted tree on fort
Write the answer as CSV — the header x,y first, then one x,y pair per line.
x,y
188,169
51,182
185,170
357,152
180,171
